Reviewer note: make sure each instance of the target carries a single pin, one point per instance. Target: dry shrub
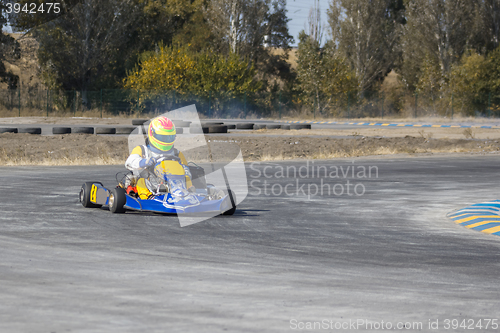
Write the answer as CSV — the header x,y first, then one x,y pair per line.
x,y
468,133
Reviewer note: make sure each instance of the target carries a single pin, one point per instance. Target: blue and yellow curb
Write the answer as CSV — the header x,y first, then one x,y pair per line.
x,y
484,217
388,124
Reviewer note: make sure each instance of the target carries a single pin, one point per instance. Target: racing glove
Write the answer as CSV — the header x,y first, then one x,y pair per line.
x,y
187,171
146,163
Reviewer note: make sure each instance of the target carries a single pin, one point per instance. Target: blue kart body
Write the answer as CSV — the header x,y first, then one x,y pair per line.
x,y
192,203
168,194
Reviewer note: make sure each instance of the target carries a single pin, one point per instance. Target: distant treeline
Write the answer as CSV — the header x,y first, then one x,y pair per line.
x,y
445,53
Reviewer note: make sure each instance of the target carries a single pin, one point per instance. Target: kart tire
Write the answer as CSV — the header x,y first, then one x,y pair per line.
x,y
105,130
138,122
217,129
300,126
8,130
117,199
233,203
85,195
231,126
82,130
30,130
259,126
61,130
124,130
244,126
273,126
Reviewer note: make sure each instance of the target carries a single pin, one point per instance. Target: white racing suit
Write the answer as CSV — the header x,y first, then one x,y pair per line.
x,y
139,153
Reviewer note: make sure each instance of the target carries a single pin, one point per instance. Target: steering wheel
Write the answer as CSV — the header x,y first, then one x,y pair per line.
x,y
150,170
169,158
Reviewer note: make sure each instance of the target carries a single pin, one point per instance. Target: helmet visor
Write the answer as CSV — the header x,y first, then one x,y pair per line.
x,y
164,138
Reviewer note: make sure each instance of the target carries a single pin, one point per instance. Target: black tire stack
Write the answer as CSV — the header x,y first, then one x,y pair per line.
x,y
29,130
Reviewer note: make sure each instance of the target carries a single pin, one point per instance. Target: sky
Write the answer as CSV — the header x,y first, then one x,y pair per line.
x,y
298,12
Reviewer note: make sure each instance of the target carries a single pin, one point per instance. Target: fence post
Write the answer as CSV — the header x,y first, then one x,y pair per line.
x,y
137,102
416,103
19,97
279,100
209,102
245,104
383,101
348,104
314,108
100,106
489,104
452,106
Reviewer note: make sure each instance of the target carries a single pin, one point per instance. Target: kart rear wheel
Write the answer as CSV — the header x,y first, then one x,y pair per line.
x,y
117,199
233,203
85,195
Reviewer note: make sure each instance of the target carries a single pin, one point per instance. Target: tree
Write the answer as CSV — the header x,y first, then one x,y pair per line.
x,y
252,29
82,47
237,24
195,33
189,73
367,34
7,44
486,26
94,42
469,81
324,79
437,30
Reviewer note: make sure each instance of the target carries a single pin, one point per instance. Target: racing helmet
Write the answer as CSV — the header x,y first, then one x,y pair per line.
x,y
161,133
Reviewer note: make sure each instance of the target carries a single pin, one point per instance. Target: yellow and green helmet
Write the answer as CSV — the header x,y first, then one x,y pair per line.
x,y
161,133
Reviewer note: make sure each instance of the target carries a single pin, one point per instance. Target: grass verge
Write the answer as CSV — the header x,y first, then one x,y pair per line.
x,y
81,149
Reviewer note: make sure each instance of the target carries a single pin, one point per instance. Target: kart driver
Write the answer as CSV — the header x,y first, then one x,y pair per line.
x,y
161,137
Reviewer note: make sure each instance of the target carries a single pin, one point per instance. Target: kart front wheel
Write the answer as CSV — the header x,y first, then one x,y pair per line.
x,y
117,199
85,195
232,199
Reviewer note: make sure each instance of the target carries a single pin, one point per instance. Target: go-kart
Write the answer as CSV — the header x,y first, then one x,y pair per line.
x,y
169,195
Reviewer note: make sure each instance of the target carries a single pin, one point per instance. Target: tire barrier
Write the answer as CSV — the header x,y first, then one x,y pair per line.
x,y
105,130
179,130
217,129
61,130
124,130
285,127
82,130
273,126
245,126
259,126
8,130
29,130
300,126
207,124
231,126
198,130
181,123
137,122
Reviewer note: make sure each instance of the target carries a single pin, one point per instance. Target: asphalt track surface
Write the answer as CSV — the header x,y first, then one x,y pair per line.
x,y
280,262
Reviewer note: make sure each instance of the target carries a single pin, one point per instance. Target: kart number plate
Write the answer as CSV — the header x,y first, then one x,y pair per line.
x,y
93,194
